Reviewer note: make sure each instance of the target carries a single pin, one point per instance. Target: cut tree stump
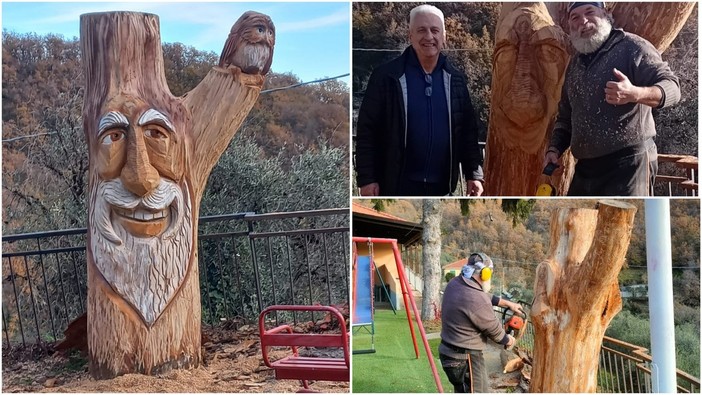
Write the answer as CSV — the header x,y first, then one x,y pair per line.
x,y
150,156
577,294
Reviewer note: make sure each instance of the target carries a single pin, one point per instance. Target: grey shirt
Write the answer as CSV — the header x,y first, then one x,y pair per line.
x,y
591,126
467,318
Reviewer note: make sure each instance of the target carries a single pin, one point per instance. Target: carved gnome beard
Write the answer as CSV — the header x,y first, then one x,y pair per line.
x,y
585,45
145,271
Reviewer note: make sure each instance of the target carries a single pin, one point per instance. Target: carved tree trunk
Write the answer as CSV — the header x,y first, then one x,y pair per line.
x,y
150,156
529,65
577,294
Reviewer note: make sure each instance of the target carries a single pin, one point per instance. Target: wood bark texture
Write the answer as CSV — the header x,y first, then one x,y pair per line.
x,y
144,312
658,22
431,257
529,65
577,294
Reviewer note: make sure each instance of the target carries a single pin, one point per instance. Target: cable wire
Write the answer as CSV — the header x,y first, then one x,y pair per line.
x,y
304,83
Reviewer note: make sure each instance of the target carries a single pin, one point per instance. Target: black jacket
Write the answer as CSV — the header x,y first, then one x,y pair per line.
x,y
381,132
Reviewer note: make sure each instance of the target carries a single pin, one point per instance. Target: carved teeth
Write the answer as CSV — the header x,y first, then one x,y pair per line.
x,y
142,215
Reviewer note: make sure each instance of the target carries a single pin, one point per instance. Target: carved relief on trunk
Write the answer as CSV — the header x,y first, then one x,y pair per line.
x,y
529,66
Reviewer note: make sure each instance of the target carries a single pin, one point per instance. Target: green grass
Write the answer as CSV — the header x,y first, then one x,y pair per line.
x,y
393,367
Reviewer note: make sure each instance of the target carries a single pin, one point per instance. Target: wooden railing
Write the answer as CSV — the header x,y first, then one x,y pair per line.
x,y
677,184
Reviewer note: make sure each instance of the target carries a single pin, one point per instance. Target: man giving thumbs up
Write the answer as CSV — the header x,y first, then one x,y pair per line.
x,y
604,115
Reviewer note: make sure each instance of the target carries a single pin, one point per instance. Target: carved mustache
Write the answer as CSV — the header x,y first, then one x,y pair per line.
x,y
117,195
114,193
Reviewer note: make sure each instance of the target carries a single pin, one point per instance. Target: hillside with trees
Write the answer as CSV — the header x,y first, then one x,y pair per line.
x,y
290,154
518,248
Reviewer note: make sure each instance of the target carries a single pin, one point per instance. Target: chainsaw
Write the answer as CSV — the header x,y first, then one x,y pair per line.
x,y
514,324
546,189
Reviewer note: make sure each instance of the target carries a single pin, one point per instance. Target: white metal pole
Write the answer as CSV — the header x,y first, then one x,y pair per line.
x,y
660,294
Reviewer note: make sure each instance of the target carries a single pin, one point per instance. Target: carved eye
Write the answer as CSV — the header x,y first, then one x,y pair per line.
x,y
155,132
270,32
260,29
111,136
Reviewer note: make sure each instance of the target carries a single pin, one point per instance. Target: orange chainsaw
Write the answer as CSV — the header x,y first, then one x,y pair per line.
x,y
514,324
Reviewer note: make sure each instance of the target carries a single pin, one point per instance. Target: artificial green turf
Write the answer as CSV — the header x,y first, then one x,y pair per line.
x,y
393,367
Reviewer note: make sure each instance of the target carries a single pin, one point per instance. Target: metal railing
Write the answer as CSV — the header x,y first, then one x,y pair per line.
x,y
623,367
626,368
247,262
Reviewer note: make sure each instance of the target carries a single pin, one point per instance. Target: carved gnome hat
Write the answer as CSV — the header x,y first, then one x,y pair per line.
x,y
575,4
476,261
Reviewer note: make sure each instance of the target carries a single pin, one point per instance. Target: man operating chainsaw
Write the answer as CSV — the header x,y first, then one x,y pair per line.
x,y
468,321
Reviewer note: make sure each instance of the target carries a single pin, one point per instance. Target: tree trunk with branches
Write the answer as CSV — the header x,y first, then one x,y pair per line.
x,y
150,156
577,294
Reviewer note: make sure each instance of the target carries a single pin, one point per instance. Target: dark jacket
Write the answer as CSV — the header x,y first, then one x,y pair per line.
x,y
590,126
381,133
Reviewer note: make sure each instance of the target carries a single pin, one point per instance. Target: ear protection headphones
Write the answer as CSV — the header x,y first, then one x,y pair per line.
x,y
485,271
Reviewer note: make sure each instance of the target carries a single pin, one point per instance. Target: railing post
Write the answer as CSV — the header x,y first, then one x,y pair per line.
x,y
252,245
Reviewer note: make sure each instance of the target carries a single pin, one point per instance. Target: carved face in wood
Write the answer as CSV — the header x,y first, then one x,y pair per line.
x,y
529,65
141,207
250,44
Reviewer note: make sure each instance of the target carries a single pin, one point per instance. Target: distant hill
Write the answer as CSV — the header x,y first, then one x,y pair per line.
x,y
297,138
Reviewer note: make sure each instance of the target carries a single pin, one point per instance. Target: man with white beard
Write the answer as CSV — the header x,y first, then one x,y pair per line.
x,y
467,321
604,115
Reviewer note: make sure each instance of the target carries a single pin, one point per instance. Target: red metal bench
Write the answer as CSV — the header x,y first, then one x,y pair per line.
x,y
300,368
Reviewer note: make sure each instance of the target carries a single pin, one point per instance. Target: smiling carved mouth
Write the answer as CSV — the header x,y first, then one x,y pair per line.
x,y
139,214
141,222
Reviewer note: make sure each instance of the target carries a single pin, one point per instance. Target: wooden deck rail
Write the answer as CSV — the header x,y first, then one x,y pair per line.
x,y
689,183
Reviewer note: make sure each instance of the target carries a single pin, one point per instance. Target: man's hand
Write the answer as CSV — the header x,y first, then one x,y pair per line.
x,y
621,91
510,343
516,307
474,187
551,157
370,189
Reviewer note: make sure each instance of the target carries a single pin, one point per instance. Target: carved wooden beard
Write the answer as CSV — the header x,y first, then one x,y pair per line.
x,y
145,271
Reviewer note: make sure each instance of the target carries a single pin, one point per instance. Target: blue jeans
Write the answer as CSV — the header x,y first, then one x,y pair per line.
x,y
467,375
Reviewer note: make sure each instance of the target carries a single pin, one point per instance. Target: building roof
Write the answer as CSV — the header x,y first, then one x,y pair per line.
x,y
368,222
457,265
357,208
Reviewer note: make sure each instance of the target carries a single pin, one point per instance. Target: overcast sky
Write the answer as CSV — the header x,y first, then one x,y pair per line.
x,y
312,39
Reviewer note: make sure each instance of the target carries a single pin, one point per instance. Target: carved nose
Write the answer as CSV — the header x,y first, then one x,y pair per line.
x,y
138,176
